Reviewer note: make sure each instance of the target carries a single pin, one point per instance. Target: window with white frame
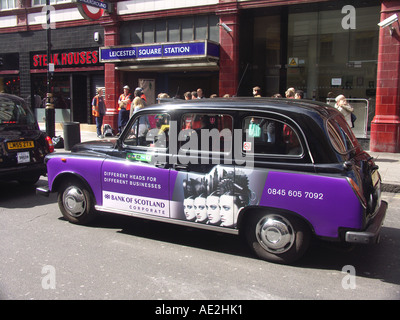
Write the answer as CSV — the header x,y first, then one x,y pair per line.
x,y
8,4
36,3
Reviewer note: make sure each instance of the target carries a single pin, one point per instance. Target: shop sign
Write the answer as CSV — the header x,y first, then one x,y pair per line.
x,y
160,51
65,59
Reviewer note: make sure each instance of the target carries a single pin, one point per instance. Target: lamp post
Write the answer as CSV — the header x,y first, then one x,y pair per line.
x,y
50,112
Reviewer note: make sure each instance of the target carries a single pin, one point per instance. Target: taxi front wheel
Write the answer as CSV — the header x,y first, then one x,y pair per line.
x,y
277,237
75,202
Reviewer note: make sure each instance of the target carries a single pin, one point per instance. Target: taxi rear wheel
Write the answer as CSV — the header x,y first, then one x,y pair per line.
x,y
277,237
75,202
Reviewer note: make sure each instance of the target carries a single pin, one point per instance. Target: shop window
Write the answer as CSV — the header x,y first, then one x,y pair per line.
x,y
324,50
10,85
271,137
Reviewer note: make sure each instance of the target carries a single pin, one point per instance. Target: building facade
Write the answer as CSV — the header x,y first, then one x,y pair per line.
x,y
324,48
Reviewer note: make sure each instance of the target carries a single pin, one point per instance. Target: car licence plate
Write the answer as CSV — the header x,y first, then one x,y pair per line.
x,y
15,145
23,157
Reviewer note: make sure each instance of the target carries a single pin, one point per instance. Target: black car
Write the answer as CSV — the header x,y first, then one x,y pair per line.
x,y
23,146
277,171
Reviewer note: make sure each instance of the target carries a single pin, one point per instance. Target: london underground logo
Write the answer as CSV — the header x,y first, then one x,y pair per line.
x,y
93,9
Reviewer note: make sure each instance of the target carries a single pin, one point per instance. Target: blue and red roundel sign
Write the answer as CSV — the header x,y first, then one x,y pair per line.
x,y
92,9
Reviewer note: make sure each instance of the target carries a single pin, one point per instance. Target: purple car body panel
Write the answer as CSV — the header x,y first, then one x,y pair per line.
x,y
86,167
327,203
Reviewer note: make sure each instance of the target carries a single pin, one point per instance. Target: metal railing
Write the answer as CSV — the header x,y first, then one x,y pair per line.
x,y
361,109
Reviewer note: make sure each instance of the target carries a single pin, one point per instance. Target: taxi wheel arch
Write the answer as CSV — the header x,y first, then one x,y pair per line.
x,y
275,235
75,200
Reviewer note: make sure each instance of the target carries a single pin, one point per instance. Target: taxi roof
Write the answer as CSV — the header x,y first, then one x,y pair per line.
x,y
289,107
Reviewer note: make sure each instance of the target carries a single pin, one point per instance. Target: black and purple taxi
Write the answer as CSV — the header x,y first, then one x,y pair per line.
x,y
276,171
23,146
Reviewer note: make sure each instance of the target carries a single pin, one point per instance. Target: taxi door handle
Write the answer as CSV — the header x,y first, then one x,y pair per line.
x,y
162,165
180,167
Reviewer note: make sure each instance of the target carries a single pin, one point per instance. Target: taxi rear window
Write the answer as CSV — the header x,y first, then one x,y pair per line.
x,y
12,112
271,137
340,135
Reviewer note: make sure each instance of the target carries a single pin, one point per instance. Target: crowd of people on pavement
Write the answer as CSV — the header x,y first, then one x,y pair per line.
x,y
341,102
129,103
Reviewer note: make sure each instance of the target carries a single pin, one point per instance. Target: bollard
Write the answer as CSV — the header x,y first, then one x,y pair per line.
x,y
72,134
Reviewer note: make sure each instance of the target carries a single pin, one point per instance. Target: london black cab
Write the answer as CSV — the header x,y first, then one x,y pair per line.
x,y
276,171
23,146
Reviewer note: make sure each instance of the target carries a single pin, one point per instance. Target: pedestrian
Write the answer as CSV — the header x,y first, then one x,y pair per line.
x,y
138,104
124,106
188,95
194,95
257,92
139,93
289,94
345,108
200,93
299,94
98,111
163,97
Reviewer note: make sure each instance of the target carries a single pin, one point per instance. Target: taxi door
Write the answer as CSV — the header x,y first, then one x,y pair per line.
x,y
202,170
135,176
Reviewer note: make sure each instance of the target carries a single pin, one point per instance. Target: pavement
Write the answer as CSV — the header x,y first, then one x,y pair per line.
x,y
389,163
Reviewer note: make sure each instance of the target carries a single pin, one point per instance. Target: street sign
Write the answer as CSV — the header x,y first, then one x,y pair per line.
x,y
93,9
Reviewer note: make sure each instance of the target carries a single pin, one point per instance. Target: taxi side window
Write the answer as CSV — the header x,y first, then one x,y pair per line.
x,y
206,132
149,130
271,137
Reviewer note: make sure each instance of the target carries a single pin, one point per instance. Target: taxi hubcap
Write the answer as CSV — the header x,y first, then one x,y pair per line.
x,y
275,234
74,201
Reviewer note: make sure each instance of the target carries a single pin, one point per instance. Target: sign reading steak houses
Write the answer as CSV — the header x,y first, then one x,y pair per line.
x,y
66,59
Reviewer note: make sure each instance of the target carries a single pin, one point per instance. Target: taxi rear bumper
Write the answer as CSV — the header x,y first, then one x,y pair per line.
x,y
371,234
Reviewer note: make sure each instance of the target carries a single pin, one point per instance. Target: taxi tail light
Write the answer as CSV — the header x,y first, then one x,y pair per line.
x,y
50,144
358,192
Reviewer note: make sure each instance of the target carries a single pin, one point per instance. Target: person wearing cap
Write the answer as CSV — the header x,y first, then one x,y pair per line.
x,y
139,93
124,106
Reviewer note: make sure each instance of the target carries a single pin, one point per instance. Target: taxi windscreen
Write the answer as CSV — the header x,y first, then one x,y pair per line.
x,y
13,112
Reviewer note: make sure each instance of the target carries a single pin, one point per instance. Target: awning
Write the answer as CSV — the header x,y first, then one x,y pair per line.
x,y
172,67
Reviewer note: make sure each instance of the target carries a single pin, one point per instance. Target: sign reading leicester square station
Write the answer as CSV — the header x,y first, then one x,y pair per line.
x,y
193,49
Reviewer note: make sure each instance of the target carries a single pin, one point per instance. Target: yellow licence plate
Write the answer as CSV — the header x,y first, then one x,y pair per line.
x,y
20,145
